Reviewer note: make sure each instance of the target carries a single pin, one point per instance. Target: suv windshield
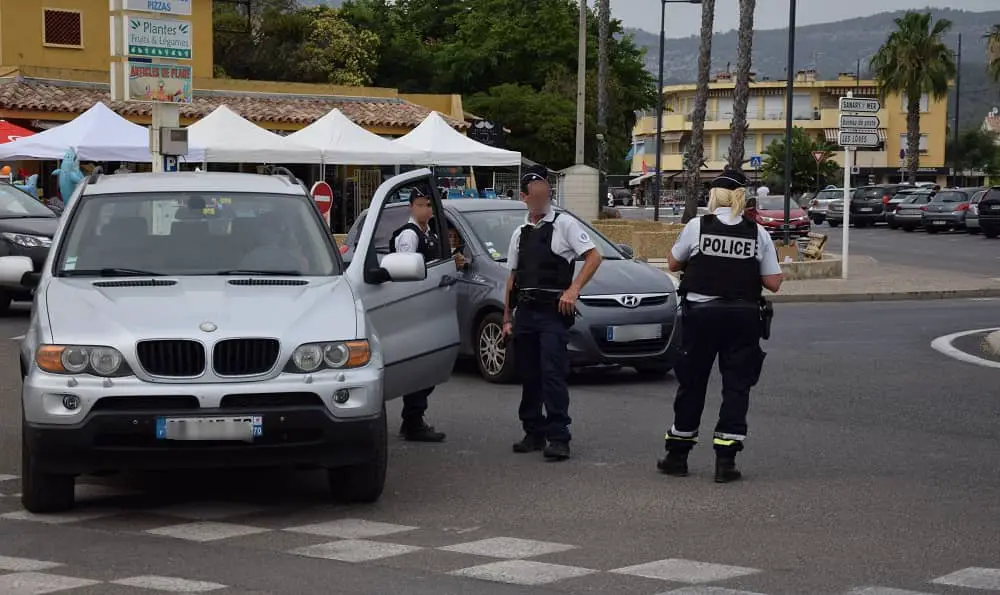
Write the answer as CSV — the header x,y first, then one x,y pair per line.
x,y
15,204
188,233
950,196
774,203
493,229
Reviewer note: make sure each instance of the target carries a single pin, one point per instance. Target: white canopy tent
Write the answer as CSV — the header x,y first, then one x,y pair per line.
x,y
447,146
97,134
342,142
228,137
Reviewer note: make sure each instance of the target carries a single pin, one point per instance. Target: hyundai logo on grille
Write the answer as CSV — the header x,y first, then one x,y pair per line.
x,y
629,301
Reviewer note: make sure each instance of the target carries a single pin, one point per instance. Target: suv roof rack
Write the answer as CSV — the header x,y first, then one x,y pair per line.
x,y
94,175
283,171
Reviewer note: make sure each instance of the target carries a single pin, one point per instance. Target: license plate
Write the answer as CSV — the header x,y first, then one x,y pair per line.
x,y
865,209
993,207
242,428
939,222
634,332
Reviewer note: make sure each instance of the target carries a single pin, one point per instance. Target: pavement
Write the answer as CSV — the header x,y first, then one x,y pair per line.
x,y
885,264
870,469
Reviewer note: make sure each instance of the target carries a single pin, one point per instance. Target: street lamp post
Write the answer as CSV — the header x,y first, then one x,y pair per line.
x,y
658,177
788,118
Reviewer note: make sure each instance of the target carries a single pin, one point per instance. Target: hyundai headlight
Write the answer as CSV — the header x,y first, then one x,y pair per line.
x,y
329,355
96,360
27,240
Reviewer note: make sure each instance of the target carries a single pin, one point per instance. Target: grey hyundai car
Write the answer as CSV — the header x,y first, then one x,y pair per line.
x,y
627,311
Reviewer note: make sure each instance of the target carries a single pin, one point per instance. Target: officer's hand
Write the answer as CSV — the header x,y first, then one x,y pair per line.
x,y
567,301
459,261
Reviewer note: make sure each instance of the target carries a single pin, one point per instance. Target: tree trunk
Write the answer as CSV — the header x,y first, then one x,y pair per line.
x,y
912,137
742,91
696,151
603,29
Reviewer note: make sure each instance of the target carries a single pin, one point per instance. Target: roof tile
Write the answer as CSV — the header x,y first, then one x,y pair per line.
x,y
60,96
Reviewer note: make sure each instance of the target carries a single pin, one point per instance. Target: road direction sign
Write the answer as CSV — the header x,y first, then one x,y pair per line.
x,y
858,138
818,156
852,104
159,38
849,121
756,161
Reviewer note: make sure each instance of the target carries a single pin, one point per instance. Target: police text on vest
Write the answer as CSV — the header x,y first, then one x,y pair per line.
x,y
726,246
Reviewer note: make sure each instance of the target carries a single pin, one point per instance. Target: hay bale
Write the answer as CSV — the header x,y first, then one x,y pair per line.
x,y
655,226
617,234
653,244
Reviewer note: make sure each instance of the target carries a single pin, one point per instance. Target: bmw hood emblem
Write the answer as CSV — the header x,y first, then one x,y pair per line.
x,y
208,327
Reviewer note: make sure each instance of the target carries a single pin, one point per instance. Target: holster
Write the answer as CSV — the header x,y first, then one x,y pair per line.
x,y
766,316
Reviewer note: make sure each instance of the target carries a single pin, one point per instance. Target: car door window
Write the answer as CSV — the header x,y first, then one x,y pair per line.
x,y
396,213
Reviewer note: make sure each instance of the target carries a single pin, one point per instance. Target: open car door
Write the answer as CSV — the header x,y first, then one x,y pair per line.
x,y
415,320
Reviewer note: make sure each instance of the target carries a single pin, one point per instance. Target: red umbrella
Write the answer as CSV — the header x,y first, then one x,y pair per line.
x,y
11,132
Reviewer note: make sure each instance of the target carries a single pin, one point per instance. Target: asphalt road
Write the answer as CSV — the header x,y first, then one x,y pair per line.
x,y
955,251
871,464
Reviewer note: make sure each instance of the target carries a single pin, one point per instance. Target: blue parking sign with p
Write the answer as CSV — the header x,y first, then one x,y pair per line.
x,y
756,161
170,163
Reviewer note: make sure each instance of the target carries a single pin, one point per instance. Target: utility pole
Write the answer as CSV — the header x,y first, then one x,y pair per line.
x,y
958,100
603,27
790,88
581,85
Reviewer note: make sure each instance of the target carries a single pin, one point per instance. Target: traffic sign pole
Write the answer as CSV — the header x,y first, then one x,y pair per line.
x,y
857,129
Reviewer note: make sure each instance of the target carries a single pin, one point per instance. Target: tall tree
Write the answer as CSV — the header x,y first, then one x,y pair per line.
x,y
603,32
696,150
913,61
807,174
993,52
742,92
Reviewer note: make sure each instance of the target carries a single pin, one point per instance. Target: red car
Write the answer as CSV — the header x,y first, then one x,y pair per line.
x,y
769,211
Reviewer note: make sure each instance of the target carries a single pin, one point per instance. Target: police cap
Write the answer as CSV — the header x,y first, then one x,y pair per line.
x,y
416,193
534,173
730,179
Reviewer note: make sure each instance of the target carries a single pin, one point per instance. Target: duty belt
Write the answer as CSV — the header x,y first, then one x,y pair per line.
x,y
538,297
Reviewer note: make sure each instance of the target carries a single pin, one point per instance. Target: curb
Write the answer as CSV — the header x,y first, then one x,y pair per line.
x,y
889,296
992,343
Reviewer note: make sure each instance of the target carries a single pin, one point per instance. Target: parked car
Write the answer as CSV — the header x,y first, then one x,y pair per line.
x,y
168,333
627,311
947,210
972,216
902,194
909,214
868,204
769,211
26,229
819,205
989,213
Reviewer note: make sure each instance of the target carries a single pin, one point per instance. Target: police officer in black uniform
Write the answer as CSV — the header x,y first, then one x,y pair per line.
x,y
726,259
541,295
418,236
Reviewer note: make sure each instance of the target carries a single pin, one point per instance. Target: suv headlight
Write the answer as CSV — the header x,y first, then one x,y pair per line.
x,y
27,240
329,355
82,359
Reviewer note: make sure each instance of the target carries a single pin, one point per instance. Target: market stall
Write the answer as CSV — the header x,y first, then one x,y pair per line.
x,y
443,145
227,137
342,142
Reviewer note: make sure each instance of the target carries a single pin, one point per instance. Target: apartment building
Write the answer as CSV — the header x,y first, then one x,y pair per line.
x,y
815,108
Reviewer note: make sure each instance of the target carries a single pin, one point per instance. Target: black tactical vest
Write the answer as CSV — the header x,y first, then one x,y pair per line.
x,y
725,264
427,243
538,267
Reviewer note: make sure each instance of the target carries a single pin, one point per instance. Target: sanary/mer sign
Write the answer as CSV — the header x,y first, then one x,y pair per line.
x,y
178,7
158,38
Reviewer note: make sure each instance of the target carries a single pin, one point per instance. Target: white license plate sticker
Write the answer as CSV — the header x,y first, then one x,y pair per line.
x,y
866,210
634,332
242,428
939,222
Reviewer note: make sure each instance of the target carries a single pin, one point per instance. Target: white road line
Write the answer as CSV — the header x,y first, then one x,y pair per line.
x,y
944,345
17,338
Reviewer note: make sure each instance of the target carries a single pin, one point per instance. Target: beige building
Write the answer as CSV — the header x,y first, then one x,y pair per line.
x,y
815,108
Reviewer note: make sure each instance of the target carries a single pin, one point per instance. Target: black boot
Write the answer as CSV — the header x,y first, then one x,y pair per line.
x,y
415,430
675,463
725,469
530,443
556,451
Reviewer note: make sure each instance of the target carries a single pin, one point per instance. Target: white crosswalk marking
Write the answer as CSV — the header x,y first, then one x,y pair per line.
x,y
883,591
351,529
686,571
708,591
25,564
972,578
59,518
508,547
354,550
206,531
522,572
36,583
169,584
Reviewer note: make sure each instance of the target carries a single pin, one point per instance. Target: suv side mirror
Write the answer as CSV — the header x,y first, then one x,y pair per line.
x,y
402,266
627,250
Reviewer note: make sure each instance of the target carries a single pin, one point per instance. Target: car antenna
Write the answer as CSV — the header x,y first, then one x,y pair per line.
x,y
95,174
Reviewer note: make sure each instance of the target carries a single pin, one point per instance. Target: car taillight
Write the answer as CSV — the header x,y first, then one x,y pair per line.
x,y
962,207
885,199
923,208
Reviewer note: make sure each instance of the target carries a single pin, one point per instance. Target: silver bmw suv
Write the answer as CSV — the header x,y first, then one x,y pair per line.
x,y
199,319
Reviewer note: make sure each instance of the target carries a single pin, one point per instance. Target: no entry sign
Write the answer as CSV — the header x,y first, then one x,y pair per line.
x,y
323,195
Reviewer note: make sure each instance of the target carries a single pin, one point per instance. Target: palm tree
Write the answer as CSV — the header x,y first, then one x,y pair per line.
x,y
603,31
742,90
993,52
696,151
915,60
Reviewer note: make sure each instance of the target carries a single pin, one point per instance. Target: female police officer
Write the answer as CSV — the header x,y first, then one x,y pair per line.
x,y
726,259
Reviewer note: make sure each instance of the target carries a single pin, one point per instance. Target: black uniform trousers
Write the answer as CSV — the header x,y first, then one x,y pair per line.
x,y
415,404
731,331
541,336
